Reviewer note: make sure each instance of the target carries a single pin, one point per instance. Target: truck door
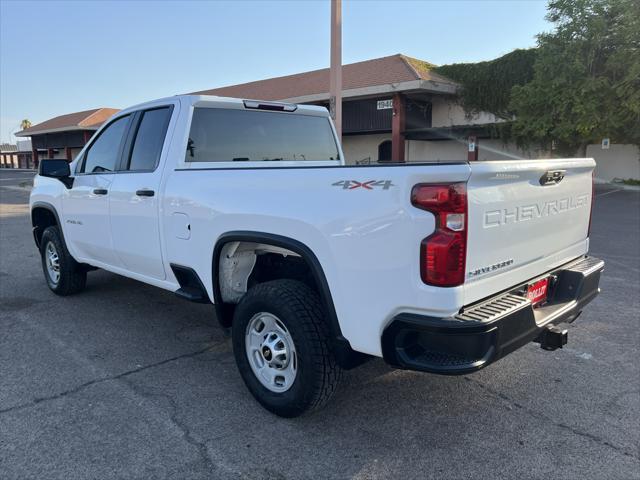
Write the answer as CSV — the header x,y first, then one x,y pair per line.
x,y
134,196
85,208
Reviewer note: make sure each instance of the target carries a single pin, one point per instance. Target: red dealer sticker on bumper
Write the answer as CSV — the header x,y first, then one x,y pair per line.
x,y
537,292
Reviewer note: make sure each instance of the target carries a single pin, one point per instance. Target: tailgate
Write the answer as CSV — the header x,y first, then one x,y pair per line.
x,y
525,217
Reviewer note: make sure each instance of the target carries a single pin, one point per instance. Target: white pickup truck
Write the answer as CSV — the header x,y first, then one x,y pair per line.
x,y
315,265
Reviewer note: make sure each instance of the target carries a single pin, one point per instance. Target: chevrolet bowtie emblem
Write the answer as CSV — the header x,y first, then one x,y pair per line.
x,y
552,177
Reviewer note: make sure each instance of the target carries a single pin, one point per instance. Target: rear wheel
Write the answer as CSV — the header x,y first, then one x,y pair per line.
x,y
63,274
281,344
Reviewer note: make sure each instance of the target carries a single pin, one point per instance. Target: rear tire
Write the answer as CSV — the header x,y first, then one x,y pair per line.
x,y
63,274
282,347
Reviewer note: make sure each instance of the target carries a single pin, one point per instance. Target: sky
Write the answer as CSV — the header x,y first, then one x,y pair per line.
x,y
59,57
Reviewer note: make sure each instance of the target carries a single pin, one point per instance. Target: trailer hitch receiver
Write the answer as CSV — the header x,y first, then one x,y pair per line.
x,y
552,338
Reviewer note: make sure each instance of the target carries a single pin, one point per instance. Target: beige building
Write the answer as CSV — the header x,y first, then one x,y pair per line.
x,y
400,100
16,156
434,126
8,155
395,109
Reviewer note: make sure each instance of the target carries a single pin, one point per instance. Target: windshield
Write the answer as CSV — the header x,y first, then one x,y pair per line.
x,y
229,135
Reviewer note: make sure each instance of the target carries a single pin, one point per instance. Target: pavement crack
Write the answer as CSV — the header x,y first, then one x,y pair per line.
x,y
545,418
186,434
109,378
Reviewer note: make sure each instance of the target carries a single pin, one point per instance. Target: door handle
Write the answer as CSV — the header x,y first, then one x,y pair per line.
x,y
100,191
145,193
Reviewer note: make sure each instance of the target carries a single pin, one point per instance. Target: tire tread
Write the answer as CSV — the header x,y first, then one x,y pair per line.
x,y
73,278
305,303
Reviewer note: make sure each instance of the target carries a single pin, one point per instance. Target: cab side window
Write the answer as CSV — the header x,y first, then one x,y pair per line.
x,y
149,139
104,153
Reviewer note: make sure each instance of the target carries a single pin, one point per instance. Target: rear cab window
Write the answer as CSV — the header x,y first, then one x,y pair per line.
x,y
224,135
148,140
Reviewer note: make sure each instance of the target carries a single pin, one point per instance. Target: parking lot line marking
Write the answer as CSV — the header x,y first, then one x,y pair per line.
x,y
607,193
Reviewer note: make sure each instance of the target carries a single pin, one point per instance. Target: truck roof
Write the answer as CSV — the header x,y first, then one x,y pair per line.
x,y
227,102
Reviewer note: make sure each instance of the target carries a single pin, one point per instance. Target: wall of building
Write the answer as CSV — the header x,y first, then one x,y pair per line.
x,y
448,150
15,160
75,152
357,148
24,145
446,112
618,162
9,160
58,153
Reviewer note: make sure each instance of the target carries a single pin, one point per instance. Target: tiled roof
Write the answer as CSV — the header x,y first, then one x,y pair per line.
x,y
86,120
370,73
8,147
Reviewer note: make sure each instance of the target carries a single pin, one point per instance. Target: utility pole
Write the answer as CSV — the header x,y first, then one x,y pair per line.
x,y
335,73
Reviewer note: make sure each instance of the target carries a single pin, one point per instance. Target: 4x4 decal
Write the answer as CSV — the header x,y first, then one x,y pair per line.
x,y
368,185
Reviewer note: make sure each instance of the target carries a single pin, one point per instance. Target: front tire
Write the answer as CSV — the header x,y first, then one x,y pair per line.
x,y
282,347
63,274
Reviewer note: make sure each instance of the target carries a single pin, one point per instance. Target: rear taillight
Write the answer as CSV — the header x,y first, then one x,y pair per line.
x,y
443,253
593,200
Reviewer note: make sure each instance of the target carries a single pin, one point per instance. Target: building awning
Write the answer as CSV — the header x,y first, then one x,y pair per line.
x,y
454,132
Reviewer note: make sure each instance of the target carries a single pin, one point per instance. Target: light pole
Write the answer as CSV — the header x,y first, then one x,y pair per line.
x,y
335,73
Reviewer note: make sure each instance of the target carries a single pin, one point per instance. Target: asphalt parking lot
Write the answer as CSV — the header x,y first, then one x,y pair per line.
x,y
128,381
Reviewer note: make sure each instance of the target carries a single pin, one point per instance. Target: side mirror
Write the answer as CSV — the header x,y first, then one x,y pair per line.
x,y
56,168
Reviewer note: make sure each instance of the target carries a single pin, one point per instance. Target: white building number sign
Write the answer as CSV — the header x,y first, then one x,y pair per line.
x,y
385,104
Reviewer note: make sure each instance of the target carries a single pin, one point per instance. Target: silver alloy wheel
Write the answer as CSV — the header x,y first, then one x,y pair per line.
x,y
271,352
53,262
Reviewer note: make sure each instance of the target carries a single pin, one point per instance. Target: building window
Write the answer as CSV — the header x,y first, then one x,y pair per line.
x,y
384,151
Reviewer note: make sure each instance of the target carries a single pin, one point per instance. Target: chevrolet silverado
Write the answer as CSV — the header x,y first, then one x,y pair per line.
x,y
314,265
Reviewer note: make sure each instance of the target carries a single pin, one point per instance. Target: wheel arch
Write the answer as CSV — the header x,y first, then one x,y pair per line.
x,y
43,215
346,356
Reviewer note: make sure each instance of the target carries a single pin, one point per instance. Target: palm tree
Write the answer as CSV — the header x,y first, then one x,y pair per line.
x,y
24,124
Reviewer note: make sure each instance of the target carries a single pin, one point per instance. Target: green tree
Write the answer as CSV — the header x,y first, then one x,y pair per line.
x,y
24,124
586,81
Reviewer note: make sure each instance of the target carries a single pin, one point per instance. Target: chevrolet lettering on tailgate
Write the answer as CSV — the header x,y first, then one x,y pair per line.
x,y
522,213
